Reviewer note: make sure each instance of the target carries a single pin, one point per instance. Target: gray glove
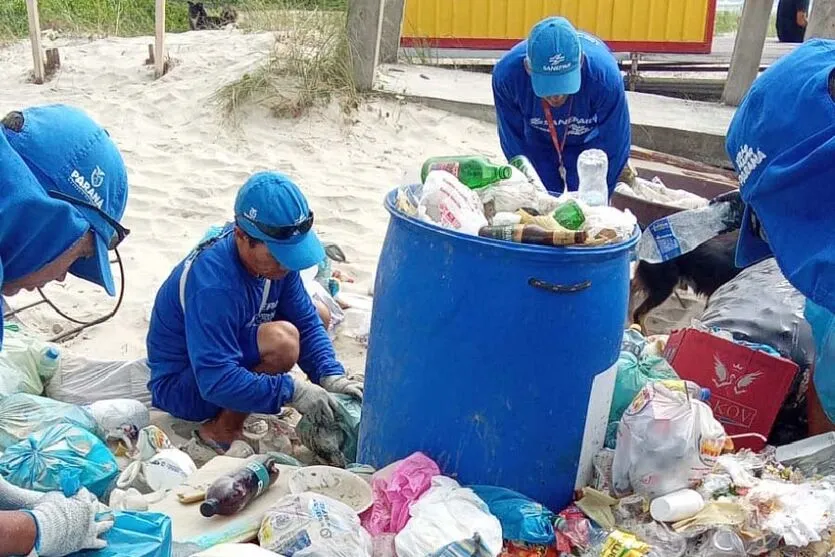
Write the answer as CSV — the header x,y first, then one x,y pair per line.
x,y
13,498
343,385
314,402
68,524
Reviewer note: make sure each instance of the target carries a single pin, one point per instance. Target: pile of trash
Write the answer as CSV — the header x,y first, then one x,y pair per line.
x,y
656,192
471,195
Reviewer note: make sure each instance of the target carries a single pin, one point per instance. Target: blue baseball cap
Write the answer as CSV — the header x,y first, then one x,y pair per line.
x,y
554,57
271,208
782,143
72,155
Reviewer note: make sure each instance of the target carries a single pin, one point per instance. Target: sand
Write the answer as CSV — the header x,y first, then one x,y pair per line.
x,y
185,165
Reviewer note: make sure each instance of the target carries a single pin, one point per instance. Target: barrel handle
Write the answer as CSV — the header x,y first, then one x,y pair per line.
x,y
559,288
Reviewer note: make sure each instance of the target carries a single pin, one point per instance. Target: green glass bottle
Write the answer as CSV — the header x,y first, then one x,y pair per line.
x,y
524,164
570,215
472,171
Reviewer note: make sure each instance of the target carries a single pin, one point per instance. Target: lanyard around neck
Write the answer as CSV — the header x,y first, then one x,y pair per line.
x,y
558,145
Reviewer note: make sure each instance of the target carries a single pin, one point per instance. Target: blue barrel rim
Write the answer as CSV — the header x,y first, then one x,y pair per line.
x,y
606,249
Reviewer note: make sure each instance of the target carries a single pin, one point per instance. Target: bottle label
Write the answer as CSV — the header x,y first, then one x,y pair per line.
x,y
262,474
449,166
666,240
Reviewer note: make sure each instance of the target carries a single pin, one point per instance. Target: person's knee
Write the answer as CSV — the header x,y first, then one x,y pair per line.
x,y
324,313
278,345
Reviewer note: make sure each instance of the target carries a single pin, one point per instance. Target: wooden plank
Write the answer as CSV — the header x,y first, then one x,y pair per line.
x,y
160,58
35,39
365,23
748,50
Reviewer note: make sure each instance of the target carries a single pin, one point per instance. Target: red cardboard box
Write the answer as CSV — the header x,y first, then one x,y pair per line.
x,y
747,387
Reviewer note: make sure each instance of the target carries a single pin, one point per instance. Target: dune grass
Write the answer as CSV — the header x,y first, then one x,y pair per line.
x,y
728,22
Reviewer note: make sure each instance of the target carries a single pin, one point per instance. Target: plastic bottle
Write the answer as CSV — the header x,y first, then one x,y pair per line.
x,y
723,542
50,362
474,172
592,169
229,494
570,215
522,163
682,232
532,234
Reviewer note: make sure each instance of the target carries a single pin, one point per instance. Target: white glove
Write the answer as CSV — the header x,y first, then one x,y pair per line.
x,y
342,385
68,524
314,402
13,498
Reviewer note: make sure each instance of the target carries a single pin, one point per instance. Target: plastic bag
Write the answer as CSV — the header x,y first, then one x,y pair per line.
x,y
822,322
311,525
599,220
657,192
23,414
508,196
120,419
448,514
396,488
336,443
84,381
633,375
55,458
20,369
450,204
799,513
522,519
135,534
666,441
318,293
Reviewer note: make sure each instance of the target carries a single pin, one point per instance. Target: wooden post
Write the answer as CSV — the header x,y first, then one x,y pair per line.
x,y
159,48
748,50
821,20
35,39
390,34
365,21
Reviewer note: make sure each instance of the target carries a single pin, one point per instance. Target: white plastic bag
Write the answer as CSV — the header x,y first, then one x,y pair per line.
x,y
22,414
83,381
318,293
20,369
508,196
449,203
312,525
120,419
667,441
157,465
603,218
799,513
447,514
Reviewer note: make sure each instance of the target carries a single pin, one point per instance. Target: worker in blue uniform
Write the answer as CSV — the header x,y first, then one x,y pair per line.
x,y
234,317
63,190
782,143
557,94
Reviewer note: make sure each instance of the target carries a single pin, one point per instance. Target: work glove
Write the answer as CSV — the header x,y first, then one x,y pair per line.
x,y
69,524
342,385
314,402
13,498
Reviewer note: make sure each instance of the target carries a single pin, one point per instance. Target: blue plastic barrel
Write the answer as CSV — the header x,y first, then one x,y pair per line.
x,y
482,354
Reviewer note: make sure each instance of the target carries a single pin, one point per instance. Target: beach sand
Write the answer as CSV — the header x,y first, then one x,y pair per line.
x,y
185,164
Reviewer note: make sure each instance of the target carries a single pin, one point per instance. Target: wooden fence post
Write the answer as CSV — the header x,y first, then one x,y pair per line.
x,y
35,39
390,34
160,59
748,49
365,21
821,20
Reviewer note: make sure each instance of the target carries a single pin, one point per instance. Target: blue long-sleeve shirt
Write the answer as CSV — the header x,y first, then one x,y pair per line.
x,y
598,119
223,302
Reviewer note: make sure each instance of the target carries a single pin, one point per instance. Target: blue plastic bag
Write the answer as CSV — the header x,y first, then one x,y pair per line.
x,y
135,535
51,458
822,322
522,519
23,414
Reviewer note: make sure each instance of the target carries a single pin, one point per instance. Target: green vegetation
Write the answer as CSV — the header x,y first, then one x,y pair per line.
x,y
728,22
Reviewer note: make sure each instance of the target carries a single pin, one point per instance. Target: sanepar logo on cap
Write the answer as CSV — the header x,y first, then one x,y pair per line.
x,y
747,161
556,63
87,188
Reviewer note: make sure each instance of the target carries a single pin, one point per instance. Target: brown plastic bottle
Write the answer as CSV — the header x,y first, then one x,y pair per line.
x,y
229,494
532,234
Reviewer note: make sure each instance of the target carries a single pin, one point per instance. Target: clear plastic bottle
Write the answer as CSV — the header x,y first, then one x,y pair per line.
x,y
49,363
592,168
724,542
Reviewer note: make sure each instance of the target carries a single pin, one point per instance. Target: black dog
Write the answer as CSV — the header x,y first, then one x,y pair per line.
x,y
704,269
199,19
